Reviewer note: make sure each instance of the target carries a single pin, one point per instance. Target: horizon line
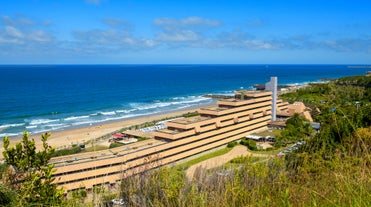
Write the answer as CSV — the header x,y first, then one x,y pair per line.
x,y
180,64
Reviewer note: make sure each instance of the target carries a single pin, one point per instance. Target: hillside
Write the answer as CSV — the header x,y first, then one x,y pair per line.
x,y
332,168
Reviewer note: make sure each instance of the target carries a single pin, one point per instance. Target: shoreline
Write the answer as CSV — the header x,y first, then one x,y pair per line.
x,y
75,135
215,96
67,137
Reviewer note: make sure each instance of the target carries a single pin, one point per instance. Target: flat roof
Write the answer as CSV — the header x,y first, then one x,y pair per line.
x,y
251,92
190,120
169,131
233,100
215,108
285,113
137,133
277,123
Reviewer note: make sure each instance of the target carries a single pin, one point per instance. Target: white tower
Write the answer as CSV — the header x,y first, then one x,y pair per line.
x,y
272,86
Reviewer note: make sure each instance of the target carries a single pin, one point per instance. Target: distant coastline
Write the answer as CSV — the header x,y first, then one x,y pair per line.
x,y
360,66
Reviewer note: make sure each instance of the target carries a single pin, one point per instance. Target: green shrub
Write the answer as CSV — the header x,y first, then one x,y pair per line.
x,y
79,194
231,144
69,151
250,144
33,178
270,149
142,138
278,144
239,160
115,144
3,168
245,159
191,114
7,196
243,141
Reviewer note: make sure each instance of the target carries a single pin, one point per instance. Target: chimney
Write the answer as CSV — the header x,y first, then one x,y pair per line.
x,y
272,86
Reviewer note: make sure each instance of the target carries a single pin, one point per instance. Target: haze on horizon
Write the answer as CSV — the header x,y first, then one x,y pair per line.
x,y
185,32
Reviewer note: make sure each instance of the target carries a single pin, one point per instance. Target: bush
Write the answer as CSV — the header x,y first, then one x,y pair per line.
x,y
115,144
239,160
250,144
73,150
79,194
7,196
33,178
191,114
278,144
245,160
142,139
231,144
3,168
270,149
243,142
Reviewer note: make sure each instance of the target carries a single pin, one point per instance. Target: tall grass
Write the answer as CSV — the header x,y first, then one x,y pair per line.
x,y
300,179
269,183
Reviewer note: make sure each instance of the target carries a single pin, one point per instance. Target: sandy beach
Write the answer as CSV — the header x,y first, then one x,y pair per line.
x,y
65,138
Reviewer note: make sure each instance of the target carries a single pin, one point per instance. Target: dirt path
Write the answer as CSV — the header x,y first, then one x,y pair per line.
x,y
222,159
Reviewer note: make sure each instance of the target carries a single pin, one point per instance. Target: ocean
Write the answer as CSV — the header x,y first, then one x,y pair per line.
x,y
40,98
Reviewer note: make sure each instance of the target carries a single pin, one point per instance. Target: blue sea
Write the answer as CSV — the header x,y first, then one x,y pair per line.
x,y
40,98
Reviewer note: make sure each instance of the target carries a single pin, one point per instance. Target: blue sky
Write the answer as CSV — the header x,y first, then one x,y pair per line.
x,y
185,32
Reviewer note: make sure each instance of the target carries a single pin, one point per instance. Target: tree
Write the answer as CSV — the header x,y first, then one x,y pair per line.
x,y
297,128
29,174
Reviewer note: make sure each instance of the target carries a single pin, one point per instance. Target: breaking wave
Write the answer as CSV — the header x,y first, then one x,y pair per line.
x,y
131,110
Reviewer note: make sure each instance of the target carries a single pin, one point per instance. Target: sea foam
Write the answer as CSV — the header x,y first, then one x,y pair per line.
x,y
108,113
9,134
75,117
42,121
11,125
31,127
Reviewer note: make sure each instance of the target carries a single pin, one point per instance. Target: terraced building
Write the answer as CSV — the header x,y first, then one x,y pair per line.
x,y
229,120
